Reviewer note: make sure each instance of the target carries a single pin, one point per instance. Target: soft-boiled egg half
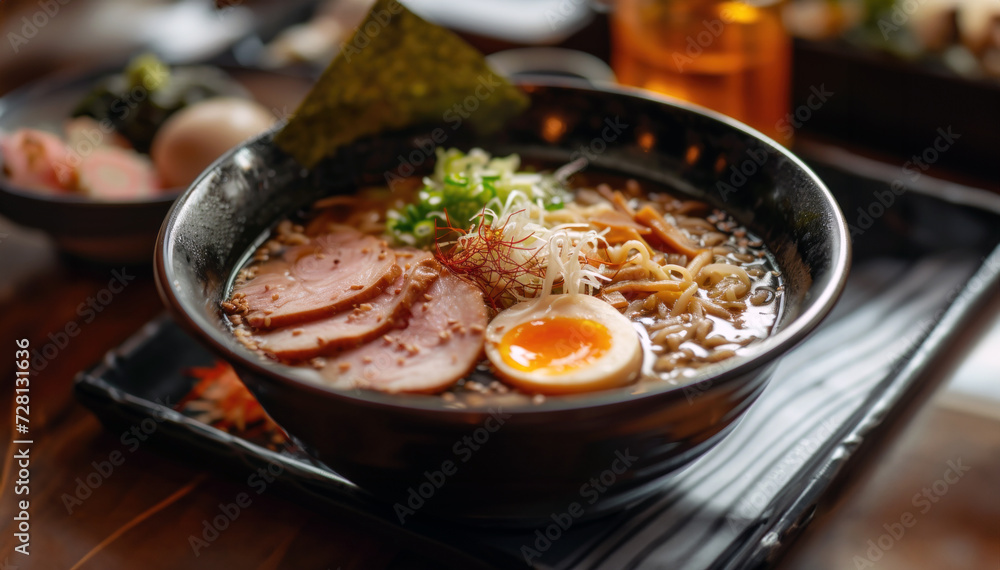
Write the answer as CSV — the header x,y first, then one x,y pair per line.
x,y
192,138
564,343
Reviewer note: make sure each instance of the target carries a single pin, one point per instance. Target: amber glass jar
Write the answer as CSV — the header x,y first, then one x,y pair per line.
x,y
733,57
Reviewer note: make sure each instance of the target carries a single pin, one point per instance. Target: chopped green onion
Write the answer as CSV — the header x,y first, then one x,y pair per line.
x,y
462,186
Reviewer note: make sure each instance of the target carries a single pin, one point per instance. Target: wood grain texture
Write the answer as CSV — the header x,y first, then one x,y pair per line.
x,y
958,528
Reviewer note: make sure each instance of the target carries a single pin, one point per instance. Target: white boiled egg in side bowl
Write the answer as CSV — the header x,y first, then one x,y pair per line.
x,y
559,344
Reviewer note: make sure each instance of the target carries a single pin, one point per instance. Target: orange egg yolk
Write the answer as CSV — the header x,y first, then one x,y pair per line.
x,y
554,345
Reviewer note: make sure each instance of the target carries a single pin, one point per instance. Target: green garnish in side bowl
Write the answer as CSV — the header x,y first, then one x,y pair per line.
x,y
136,102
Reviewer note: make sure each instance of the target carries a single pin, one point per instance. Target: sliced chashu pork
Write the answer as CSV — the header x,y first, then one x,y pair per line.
x,y
361,322
322,277
441,343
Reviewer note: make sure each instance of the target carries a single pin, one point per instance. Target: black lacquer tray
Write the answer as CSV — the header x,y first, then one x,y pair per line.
x,y
924,262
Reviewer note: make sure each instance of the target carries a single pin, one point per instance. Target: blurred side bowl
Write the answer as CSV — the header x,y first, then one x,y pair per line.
x,y
107,231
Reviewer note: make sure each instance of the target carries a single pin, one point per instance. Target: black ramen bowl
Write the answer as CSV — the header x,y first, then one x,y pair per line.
x,y
586,455
107,231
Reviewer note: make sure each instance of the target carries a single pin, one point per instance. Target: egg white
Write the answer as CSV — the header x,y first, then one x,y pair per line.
x,y
192,138
618,366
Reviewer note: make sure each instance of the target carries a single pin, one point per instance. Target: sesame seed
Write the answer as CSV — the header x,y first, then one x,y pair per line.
x,y
344,366
275,297
267,321
296,332
477,328
357,287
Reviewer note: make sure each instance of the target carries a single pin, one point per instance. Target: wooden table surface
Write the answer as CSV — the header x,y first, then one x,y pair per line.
x,y
143,512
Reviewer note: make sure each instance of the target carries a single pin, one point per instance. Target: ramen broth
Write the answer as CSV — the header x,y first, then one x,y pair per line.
x,y
335,289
